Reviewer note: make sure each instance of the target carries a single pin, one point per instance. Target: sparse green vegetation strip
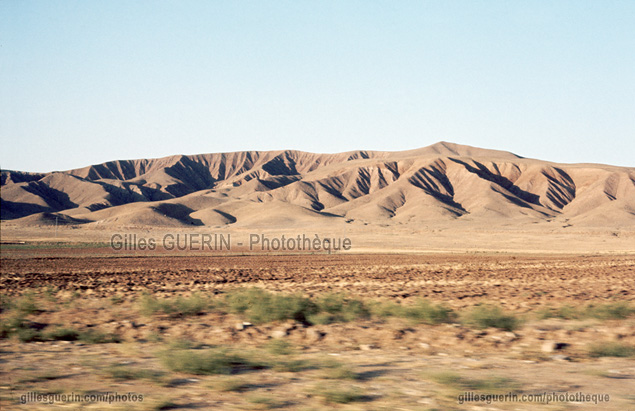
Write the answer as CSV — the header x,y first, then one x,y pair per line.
x,y
175,307
608,311
260,306
611,349
209,361
27,331
119,372
278,356
460,383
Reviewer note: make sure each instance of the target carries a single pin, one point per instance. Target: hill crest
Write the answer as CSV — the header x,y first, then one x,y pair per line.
x,y
442,181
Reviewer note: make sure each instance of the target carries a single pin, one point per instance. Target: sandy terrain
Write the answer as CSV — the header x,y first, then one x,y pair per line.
x,y
388,362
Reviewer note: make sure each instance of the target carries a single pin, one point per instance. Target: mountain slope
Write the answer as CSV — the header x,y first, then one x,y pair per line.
x,y
443,181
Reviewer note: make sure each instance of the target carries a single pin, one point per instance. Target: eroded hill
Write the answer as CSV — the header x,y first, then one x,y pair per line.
x,y
443,181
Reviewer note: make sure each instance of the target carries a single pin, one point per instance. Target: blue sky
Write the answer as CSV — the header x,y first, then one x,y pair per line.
x,y
83,82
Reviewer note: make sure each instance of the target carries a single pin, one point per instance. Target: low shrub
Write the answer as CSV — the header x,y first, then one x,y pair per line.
x,y
209,361
174,307
231,384
279,346
338,394
21,328
26,304
422,311
63,334
260,306
97,337
611,349
28,335
491,316
126,373
460,383
425,312
338,308
608,311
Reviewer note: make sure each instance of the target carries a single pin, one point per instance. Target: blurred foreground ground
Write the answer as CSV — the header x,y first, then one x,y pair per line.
x,y
343,331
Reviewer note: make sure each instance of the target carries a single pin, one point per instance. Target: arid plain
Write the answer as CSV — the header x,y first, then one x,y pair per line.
x,y
469,272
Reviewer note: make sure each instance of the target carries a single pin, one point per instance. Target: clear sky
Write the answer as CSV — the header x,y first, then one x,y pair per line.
x,y
83,82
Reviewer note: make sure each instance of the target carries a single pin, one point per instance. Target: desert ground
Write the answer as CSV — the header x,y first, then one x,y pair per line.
x,y
404,329
449,277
